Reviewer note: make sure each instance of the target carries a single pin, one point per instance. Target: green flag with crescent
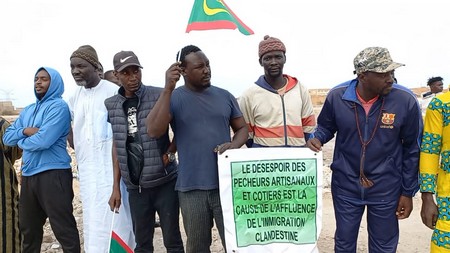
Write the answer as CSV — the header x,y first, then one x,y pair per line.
x,y
214,14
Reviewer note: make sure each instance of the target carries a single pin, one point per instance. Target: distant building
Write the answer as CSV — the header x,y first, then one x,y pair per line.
x,y
6,104
7,108
318,96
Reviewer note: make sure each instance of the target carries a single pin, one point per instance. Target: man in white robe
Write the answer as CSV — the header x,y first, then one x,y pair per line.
x,y
92,142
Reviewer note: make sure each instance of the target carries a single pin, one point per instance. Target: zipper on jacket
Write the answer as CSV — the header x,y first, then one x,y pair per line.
x,y
137,133
365,139
362,160
363,155
140,138
284,120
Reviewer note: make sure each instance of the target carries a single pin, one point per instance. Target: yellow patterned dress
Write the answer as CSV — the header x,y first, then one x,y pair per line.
x,y
435,166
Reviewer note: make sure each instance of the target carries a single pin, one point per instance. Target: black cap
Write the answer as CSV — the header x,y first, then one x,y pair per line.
x,y
124,59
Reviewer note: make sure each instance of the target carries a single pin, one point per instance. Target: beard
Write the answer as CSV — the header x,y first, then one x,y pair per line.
x,y
40,95
275,74
81,83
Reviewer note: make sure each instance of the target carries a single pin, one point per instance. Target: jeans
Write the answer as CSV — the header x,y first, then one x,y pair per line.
x,y
143,205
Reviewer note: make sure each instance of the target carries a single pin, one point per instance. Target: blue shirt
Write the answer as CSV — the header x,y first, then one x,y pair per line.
x,y
200,122
46,149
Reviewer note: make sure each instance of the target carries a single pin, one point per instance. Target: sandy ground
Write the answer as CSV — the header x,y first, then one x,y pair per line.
x,y
414,236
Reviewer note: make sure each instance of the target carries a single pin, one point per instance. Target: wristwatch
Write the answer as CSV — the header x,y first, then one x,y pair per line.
x,y
171,157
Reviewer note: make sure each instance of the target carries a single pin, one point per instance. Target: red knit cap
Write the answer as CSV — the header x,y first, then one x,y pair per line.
x,y
270,44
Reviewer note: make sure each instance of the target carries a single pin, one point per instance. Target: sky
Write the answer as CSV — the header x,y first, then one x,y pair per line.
x,y
321,36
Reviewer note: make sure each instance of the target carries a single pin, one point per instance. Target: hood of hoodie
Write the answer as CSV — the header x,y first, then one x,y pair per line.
x,y
56,87
292,81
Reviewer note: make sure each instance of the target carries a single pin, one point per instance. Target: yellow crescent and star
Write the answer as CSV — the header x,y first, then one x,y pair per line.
x,y
213,11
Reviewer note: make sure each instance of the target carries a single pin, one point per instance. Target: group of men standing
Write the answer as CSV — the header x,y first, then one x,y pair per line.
x,y
126,157
118,161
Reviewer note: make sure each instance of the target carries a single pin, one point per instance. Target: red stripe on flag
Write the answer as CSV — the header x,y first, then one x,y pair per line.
x,y
219,24
119,240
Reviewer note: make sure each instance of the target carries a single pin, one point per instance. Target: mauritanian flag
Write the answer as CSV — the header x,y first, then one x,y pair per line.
x,y
214,14
118,245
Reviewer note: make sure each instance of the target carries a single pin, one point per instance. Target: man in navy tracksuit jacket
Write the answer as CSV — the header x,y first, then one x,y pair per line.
x,y
375,163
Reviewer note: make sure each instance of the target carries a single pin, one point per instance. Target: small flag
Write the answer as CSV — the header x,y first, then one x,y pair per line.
x,y
214,14
118,245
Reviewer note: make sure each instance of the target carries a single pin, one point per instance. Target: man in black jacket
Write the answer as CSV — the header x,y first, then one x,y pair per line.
x,y
147,165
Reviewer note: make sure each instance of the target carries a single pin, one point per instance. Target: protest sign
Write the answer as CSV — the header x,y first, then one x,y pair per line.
x,y
271,199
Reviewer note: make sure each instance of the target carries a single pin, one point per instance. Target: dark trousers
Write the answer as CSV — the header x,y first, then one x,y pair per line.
x,y
200,209
143,205
382,224
48,194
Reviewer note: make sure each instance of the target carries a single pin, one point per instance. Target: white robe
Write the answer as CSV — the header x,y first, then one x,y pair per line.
x,y
92,137
425,101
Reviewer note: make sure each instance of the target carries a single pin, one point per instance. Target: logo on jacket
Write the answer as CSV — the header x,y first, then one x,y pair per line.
x,y
387,119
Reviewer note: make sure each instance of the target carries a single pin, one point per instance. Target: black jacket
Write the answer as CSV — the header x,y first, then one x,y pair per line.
x,y
153,173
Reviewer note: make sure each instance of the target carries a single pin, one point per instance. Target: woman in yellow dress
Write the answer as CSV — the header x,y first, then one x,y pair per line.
x,y
435,172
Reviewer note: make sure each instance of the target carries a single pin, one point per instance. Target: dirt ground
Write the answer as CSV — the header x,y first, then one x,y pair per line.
x,y
414,236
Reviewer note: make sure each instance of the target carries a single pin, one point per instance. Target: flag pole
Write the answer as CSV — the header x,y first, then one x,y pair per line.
x,y
112,225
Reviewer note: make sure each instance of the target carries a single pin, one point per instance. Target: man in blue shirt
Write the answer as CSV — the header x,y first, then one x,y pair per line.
x,y
200,116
